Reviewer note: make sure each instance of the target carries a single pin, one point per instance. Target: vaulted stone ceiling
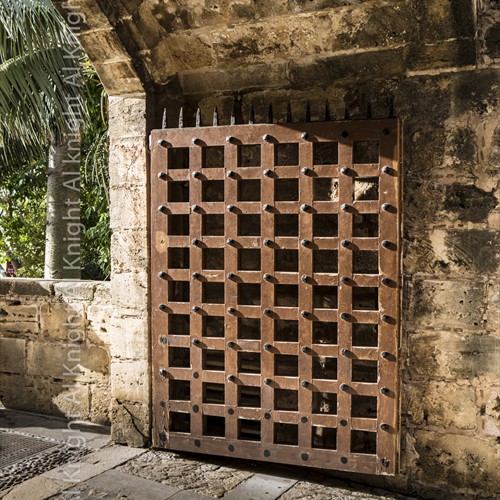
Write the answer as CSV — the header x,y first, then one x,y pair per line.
x,y
266,42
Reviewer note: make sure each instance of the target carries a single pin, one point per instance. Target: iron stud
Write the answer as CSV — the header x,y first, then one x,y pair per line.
x,y
304,383
195,140
384,391
345,134
267,312
231,378
306,171
344,243
267,207
162,176
196,342
386,244
162,209
386,207
345,207
196,175
162,307
195,309
343,422
305,350
385,354
344,352
304,456
267,277
344,387
304,420
267,172
266,137
385,318
305,208
231,310
385,427
196,408
163,340
230,139
195,208
162,275
267,347
267,242
344,170
305,243
304,278
305,314
231,276
231,174
162,142
344,280
195,276
344,460
163,372
195,242
230,241
386,170
230,208
231,344
344,316
386,281
267,381
304,135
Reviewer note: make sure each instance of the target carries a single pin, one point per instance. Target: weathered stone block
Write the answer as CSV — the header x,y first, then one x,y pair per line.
x,y
130,290
128,208
130,337
18,328
74,401
450,355
74,290
38,288
12,355
129,423
469,203
98,324
129,161
129,251
446,304
100,404
127,117
103,45
130,380
119,77
17,311
457,463
62,321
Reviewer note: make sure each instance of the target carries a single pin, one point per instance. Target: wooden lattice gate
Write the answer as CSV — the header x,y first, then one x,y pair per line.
x,y
275,292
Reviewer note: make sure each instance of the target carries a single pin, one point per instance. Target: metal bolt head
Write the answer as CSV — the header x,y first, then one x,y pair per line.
x,y
304,420
229,139
267,277
267,381
267,207
162,275
305,208
162,209
162,307
266,137
231,378
343,422
304,135
230,241
267,172
344,243
195,208
385,318
344,316
384,391
231,310
386,170
163,372
386,244
344,352
161,142
344,387
231,344
386,207
305,349
162,176
385,427
386,281
344,280
195,242
267,242
195,140
306,171
195,309
305,314
231,276
196,342
196,175
163,340
195,276
304,278
267,312
231,174
344,460
305,243
344,170
304,383
230,208
345,207
267,347
385,354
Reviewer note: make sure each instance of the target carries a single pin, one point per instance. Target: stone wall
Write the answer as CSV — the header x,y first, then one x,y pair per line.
x,y
54,348
432,63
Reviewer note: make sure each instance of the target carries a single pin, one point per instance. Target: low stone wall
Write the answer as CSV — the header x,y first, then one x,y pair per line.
x,y
54,348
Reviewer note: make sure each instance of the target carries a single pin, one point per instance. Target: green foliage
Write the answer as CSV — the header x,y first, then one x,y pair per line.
x,y
22,217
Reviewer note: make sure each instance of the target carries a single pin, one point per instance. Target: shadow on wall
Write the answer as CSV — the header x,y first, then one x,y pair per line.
x,y
54,348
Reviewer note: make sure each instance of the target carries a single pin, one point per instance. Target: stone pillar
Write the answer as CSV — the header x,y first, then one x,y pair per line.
x,y
128,161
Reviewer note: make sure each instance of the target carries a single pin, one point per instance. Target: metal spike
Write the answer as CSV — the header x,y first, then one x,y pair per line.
x,y
270,114
369,110
346,114
308,111
233,114
198,117
181,118
164,118
289,113
215,122
251,115
327,111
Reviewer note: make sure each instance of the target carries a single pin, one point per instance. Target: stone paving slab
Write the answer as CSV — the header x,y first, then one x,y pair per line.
x,y
37,488
113,484
94,464
261,487
16,420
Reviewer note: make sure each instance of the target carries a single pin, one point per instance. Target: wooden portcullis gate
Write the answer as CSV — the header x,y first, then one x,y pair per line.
x,y
275,292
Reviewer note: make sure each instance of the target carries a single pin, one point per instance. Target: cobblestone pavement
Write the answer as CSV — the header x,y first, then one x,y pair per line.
x,y
114,472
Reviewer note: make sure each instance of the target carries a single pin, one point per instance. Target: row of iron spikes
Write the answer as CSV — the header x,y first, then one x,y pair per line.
x,y
270,115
